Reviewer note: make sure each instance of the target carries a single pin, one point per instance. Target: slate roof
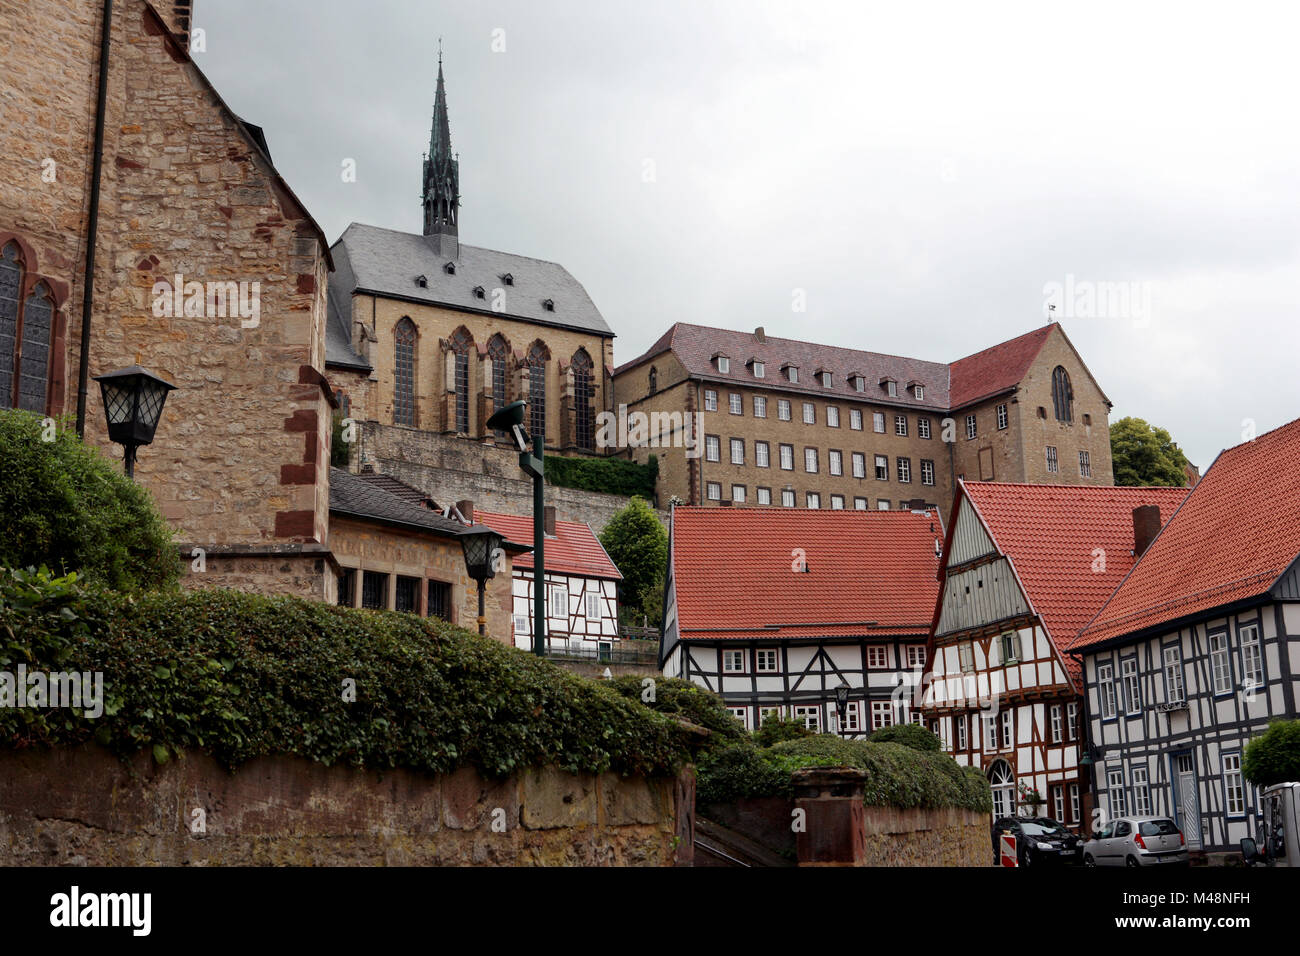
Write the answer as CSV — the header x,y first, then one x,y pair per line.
x,y
575,549
870,573
947,386
399,488
1226,543
386,262
354,496
1050,533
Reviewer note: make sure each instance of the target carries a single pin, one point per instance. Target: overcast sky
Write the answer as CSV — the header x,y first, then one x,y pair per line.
x,y
923,173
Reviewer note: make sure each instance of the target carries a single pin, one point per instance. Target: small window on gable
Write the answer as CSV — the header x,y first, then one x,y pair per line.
x,y
479,293
918,390
508,279
450,268
858,382
548,305
422,281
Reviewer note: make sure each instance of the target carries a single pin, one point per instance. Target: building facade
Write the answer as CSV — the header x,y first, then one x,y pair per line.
x,y
1025,566
774,610
1199,649
429,333
795,424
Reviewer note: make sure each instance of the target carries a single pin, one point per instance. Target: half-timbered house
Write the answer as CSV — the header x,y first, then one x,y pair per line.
x,y
775,609
1025,566
581,586
1199,648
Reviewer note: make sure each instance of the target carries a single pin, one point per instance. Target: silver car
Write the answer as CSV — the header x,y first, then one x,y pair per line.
x,y
1136,841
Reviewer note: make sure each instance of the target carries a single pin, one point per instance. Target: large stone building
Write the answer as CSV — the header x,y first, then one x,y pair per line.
x,y
798,424
428,333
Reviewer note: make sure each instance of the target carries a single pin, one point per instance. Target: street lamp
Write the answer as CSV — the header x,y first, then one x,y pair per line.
x,y
133,403
842,704
481,545
511,419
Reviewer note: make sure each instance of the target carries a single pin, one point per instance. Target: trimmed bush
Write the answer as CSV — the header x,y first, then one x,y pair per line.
x,y
687,700
240,676
613,476
909,735
1273,757
65,506
776,728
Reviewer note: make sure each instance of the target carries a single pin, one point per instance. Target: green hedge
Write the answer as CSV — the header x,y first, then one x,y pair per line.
x,y
613,476
909,735
1273,757
240,676
64,505
897,775
689,701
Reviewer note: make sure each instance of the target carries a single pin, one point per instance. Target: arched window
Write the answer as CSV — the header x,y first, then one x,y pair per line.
x,y
34,354
461,342
1062,395
584,417
404,336
654,379
498,352
1003,784
538,356
11,286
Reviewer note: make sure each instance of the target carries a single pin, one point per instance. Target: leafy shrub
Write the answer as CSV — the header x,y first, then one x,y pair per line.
x,y
241,676
776,728
740,770
1273,757
64,506
613,476
909,735
688,700
638,545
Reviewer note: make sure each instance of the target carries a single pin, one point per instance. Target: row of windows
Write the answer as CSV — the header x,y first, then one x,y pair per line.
x,y
557,606
381,591
823,377
1125,691
789,498
766,660
1006,648
1135,795
884,713
808,414
812,459
1085,462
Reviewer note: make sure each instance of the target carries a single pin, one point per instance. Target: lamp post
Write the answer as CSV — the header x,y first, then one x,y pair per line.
x,y
841,704
481,546
133,404
511,419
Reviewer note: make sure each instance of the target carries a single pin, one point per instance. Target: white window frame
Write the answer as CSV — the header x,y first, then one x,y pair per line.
x,y
900,425
762,454
837,502
1106,704
855,419
763,496
733,660
813,500
1252,657
972,429
1058,802
1115,796
966,657
710,400
877,657
1002,416
802,712
1008,730
592,599
785,456
835,461
809,413
783,409
859,462
736,403
1141,792
922,427
990,733
1085,465
1128,668
1072,721
521,623
861,504
927,471
961,731
1057,729
878,422
919,392
1234,789
738,494
1052,463
882,461
915,656
1220,663
1175,690
740,713
712,448
760,406
713,490
810,463
724,364
1075,808
833,416
788,498
737,446
882,714
904,466
763,656
760,370
557,596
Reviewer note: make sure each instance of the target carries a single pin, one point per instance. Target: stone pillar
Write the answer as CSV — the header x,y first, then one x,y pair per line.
x,y
832,831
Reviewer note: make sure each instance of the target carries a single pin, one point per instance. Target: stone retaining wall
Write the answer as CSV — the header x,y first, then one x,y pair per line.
x,y
84,807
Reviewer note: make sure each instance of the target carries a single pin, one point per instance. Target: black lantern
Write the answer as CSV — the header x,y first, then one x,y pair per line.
x,y
133,403
481,545
842,704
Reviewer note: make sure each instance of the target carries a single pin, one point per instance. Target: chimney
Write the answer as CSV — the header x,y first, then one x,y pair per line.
x,y
466,509
760,335
548,520
1146,525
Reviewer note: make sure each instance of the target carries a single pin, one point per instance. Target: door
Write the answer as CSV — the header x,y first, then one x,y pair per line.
x,y
1189,816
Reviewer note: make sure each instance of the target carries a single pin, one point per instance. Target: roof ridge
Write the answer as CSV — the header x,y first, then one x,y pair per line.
x,y
462,245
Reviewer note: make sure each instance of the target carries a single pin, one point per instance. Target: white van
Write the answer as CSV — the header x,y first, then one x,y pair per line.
x,y
1280,833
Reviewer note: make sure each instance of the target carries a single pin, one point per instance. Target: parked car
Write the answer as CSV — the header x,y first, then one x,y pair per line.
x,y
1279,824
1039,841
1136,841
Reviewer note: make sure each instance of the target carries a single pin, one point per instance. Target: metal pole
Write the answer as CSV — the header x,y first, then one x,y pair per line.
x,y
539,556
129,461
482,615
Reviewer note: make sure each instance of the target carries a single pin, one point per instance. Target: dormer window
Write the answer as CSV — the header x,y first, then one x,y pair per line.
x,y
508,279
450,268
826,378
548,305
918,391
479,293
791,373
890,386
858,382
422,281
723,363
759,369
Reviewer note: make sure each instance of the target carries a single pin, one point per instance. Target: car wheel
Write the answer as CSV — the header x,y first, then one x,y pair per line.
x,y
1132,861
1088,860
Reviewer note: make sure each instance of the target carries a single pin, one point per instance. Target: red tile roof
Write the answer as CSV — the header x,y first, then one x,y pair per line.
x,y
1236,534
994,370
1051,534
575,549
869,572
947,386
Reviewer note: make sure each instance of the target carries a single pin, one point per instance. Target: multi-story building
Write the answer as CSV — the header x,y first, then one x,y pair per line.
x,y
1199,649
1026,566
776,609
796,424
426,332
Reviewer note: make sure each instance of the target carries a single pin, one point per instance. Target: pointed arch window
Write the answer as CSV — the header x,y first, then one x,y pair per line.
x,y
654,379
498,352
404,336
1062,395
584,418
538,356
461,343
26,333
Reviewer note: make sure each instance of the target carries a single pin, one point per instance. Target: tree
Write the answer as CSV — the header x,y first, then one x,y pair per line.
x,y
638,545
64,506
1143,454
1274,757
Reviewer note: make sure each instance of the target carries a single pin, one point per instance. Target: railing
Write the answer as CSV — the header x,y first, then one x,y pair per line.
x,y
621,652
632,633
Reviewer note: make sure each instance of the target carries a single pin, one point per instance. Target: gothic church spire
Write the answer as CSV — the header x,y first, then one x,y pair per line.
x,y
441,195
